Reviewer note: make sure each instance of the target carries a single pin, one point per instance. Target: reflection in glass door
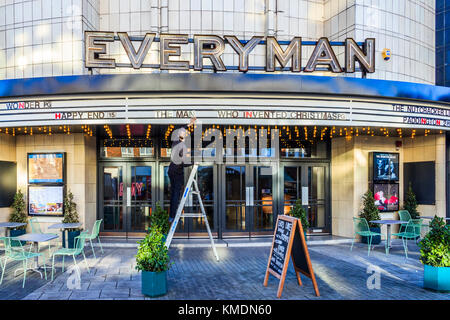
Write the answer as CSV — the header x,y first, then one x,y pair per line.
x,y
113,205
316,192
263,199
126,196
141,197
310,180
235,197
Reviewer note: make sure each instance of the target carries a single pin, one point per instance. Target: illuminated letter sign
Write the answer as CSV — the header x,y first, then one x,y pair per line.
x,y
94,48
293,51
323,54
212,47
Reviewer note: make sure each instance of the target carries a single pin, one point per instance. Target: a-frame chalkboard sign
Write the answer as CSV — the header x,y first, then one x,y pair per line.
x,y
289,242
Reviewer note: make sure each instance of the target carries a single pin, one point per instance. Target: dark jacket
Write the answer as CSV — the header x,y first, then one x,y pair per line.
x,y
177,168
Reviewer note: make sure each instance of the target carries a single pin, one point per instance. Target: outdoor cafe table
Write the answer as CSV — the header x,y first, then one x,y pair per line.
x,y
10,225
63,227
388,224
35,238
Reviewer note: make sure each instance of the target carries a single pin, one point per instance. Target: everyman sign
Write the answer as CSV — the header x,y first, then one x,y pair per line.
x,y
211,47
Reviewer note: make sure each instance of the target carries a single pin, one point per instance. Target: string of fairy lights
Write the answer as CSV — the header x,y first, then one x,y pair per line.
x,y
288,134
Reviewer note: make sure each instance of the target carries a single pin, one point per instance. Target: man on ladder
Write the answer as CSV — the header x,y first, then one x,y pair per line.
x,y
178,161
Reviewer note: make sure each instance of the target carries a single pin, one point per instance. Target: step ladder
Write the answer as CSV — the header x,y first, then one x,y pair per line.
x,y
192,187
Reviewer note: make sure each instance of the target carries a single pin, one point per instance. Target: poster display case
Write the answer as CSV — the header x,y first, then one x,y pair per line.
x,y
46,183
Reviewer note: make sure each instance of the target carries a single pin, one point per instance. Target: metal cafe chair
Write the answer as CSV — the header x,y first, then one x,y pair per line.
x,y
79,249
15,251
94,234
361,227
412,231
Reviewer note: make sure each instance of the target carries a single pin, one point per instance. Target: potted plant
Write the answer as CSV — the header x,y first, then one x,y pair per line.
x,y
153,260
410,203
18,214
370,212
299,212
435,256
71,216
160,218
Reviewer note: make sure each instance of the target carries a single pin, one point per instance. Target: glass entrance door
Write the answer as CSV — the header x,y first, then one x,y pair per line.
x,y
207,184
248,193
126,196
308,183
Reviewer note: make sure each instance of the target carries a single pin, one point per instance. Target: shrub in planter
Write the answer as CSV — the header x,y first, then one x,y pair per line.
x,y
370,212
71,216
160,218
435,256
153,260
410,203
18,214
299,212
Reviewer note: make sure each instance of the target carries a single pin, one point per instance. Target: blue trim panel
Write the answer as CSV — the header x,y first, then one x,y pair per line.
x,y
222,82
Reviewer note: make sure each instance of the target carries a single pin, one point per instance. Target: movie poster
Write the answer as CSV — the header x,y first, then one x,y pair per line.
x,y
45,168
386,196
385,166
45,200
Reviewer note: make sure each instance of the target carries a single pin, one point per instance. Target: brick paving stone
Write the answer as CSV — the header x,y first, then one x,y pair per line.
x,y
115,293
100,285
85,294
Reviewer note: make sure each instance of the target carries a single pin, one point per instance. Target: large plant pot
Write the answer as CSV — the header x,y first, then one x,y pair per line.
x,y
71,235
15,233
154,284
375,239
436,278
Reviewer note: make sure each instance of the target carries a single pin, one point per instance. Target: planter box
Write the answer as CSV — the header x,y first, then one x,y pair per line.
x,y
436,278
154,284
375,239
71,235
15,233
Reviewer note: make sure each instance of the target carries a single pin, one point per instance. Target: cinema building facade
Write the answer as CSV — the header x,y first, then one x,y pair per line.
x,y
93,113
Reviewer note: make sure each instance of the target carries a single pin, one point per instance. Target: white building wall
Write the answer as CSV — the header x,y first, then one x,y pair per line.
x,y
45,37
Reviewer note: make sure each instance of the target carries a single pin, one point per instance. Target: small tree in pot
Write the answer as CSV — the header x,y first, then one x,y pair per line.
x,y
435,255
71,216
153,260
160,218
370,212
18,214
299,212
410,203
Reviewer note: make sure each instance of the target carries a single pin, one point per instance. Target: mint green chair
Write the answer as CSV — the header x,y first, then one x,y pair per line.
x,y
361,227
94,234
36,228
15,251
412,231
79,249
404,216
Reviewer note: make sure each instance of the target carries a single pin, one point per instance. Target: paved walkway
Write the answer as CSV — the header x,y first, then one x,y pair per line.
x,y
195,274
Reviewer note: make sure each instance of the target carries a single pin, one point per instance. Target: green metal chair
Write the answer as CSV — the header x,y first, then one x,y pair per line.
x,y
79,249
36,228
94,234
412,231
361,227
15,251
404,216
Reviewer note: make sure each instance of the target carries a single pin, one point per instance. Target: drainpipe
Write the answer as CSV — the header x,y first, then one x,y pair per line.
x,y
154,16
164,16
271,17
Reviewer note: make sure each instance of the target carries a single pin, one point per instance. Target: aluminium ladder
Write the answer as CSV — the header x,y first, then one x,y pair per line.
x,y
191,186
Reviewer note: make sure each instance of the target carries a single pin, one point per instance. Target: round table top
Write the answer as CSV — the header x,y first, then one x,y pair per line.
x,y
389,221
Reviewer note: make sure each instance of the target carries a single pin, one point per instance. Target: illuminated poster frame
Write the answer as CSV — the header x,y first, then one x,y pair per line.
x,y
54,205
